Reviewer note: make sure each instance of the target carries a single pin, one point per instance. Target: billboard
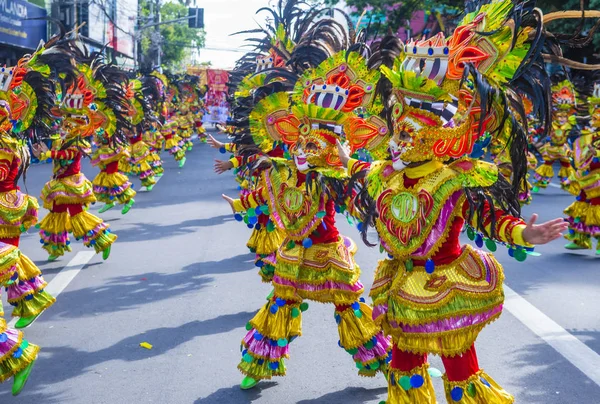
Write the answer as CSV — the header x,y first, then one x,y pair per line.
x,y
14,31
126,20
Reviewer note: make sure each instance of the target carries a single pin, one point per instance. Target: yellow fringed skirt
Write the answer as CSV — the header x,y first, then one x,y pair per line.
x,y
440,313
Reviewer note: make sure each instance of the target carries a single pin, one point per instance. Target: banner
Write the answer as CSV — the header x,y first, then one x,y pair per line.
x,y
14,31
217,80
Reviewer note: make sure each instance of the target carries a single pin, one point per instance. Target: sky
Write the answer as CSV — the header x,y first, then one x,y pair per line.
x,y
222,18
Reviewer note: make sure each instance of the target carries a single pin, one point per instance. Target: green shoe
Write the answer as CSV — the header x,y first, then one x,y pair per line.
x,y
25,322
107,206
248,383
149,188
573,246
182,162
189,148
106,253
20,378
52,258
127,206
38,225
598,251
159,175
535,189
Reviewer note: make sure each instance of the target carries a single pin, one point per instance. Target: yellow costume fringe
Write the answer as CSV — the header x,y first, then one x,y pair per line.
x,y
9,365
400,390
478,389
93,231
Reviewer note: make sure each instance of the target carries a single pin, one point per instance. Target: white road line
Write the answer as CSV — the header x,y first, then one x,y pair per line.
x,y
553,185
65,276
572,349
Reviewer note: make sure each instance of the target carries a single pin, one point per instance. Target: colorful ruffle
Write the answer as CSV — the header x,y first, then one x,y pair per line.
x,y
74,189
94,232
442,312
413,387
325,273
479,388
16,209
175,148
26,291
113,187
584,222
16,353
54,233
270,332
363,339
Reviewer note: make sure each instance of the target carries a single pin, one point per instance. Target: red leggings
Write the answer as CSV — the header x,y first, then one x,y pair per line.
x,y
458,368
73,209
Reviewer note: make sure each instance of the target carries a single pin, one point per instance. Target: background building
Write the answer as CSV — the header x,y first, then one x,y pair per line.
x,y
107,22
18,37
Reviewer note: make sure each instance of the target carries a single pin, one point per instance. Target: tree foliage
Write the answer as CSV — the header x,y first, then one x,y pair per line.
x,y
176,40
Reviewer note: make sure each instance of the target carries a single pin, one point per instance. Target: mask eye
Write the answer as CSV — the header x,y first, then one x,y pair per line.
x,y
311,147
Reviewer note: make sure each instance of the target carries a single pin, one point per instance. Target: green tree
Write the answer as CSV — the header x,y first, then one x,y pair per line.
x,y
176,40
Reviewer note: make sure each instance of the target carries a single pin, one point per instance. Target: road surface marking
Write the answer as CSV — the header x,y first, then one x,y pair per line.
x,y
65,276
572,349
553,185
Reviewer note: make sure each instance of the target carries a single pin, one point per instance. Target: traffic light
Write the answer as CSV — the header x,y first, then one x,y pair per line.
x,y
196,19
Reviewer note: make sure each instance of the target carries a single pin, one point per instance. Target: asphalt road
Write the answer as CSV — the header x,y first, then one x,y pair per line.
x,y
181,279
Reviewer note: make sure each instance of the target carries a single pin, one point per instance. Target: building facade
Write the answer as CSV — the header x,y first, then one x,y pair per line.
x,y
18,35
103,23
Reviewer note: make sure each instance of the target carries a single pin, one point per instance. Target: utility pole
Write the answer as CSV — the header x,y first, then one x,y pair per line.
x,y
157,28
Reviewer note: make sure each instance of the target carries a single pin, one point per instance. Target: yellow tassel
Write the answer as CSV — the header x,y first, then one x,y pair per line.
x,y
56,223
355,331
479,388
285,323
27,269
401,391
264,242
566,172
545,170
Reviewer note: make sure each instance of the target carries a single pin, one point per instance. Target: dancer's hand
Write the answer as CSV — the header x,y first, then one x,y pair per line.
x,y
38,149
545,232
214,143
230,201
222,166
343,152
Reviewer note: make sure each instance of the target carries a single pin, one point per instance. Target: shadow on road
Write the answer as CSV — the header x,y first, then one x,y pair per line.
x,y
549,369
151,231
133,291
236,395
74,363
348,395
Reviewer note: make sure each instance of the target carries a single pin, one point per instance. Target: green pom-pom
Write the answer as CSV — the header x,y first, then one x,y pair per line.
x,y
352,351
303,306
282,342
470,233
471,390
295,312
248,327
577,220
491,245
404,382
520,255
369,345
374,365
270,296
321,214
409,265
246,219
251,212
381,249
248,358
265,209
291,245
359,365
358,313
270,226
24,344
